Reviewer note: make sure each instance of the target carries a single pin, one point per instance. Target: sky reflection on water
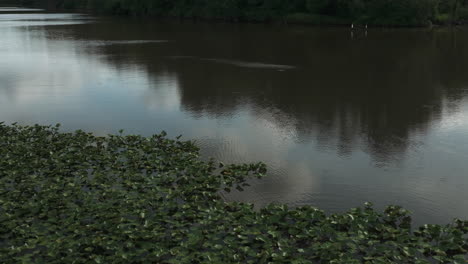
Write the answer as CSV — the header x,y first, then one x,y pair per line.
x,y
381,119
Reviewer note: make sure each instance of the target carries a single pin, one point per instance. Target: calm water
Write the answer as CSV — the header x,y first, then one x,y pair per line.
x,y
340,119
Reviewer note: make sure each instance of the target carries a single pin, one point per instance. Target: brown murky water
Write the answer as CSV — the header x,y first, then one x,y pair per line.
x,y
339,118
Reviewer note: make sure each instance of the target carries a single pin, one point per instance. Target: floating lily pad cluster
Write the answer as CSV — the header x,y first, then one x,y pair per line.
x,y
79,198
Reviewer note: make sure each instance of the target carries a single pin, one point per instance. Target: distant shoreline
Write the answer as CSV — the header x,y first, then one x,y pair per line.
x,y
276,22
409,13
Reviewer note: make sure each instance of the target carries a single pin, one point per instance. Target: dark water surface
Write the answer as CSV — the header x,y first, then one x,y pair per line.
x,y
380,116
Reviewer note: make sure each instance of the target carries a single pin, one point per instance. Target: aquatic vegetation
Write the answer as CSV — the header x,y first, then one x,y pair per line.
x,y
79,198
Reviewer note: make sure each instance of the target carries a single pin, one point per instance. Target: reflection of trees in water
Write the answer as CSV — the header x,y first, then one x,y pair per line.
x,y
377,90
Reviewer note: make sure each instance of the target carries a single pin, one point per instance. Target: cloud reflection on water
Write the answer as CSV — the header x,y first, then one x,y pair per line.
x,y
379,119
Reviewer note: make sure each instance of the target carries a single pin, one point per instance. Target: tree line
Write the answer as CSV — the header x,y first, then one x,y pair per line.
x,y
16,2
372,12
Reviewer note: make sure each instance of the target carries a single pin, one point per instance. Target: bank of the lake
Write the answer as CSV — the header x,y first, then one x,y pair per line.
x,y
316,12
78,198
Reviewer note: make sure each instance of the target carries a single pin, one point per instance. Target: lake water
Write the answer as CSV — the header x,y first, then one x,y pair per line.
x,y
340,118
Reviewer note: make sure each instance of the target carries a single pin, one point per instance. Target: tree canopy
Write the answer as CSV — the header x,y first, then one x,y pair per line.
x,y
373,12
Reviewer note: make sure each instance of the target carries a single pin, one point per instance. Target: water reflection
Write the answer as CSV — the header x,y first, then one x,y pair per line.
x,y
339,121
19,9
40,19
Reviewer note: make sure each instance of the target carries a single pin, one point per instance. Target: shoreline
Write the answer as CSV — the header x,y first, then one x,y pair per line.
x,y
240,12
357,26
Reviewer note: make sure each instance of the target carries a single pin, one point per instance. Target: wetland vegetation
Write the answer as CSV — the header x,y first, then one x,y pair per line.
x,y
78,198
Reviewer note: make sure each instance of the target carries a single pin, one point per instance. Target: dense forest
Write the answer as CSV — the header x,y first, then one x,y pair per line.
x,y
17,2
372,12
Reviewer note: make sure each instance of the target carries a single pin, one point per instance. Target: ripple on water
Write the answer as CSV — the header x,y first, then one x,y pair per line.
x,y
41,19
121,42
19,9
242,64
